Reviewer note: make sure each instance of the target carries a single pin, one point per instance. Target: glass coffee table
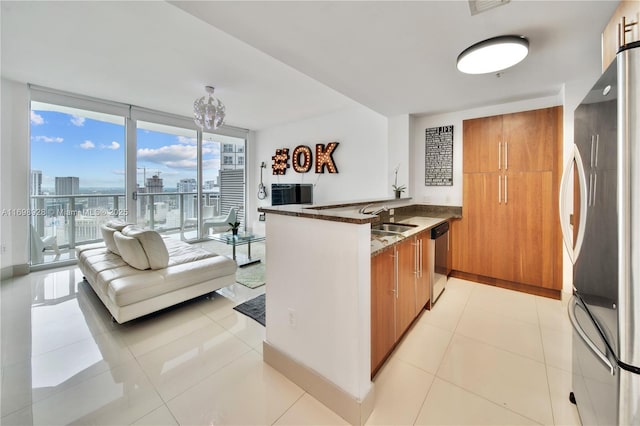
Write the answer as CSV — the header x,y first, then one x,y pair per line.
x,y
240,239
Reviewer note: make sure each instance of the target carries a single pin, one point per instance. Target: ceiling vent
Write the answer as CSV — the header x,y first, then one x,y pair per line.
x,y
479,6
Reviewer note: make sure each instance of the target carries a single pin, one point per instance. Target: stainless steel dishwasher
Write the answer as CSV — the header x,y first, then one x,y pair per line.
x,y
439,260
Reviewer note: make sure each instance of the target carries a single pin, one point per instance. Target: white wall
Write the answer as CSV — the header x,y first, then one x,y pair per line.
x,y
400,152
14,156
361,157
319,272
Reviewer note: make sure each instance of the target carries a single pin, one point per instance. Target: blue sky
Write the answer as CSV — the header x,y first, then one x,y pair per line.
x,y
68,145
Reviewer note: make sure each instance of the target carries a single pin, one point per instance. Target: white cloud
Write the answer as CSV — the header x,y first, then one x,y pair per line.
x,y
48,139
187,141
113,145
87,145
77,121
181,164
36,119
174,156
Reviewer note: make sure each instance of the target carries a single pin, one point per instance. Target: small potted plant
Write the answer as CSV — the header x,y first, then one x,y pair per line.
x,y
234,227
397,189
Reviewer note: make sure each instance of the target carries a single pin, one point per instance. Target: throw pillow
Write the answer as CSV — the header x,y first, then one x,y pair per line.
x,y
107,236
152,244
131,251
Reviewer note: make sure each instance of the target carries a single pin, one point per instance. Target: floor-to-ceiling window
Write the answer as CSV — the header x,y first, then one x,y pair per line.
x,y
94,160
223,170
76,177
166,183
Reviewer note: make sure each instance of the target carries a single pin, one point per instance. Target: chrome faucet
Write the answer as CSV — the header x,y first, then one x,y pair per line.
x,y
374,212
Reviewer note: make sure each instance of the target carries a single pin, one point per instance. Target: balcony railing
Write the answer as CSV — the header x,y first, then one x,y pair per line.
x,y
76,219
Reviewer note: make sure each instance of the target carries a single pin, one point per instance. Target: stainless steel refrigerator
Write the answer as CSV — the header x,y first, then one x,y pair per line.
x,y
604,244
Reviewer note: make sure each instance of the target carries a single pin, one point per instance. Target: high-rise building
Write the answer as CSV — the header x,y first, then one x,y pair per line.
x,y
232,156
154,185
190,205
67,185
36,182
187,185
209,185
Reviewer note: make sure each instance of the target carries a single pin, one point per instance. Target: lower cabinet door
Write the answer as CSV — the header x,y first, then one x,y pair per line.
x,y
423,274
382,306
406,289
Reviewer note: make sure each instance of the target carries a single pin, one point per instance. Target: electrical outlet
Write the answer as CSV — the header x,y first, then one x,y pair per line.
x,y
293,320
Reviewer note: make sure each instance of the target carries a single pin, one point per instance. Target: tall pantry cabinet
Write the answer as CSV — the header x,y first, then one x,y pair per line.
x,y
509,234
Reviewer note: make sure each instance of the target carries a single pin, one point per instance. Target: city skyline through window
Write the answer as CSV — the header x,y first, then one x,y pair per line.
x,y
78,177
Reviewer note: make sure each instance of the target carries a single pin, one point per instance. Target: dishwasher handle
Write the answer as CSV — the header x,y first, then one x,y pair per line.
x,y
440,230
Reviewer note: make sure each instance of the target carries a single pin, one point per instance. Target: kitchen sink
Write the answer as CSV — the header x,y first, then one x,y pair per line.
x,y
392,227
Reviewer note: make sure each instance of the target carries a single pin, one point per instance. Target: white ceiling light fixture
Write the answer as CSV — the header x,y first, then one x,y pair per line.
x,y
208,112
494,54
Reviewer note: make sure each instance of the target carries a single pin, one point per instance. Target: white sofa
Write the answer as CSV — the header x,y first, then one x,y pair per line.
x,y
136,272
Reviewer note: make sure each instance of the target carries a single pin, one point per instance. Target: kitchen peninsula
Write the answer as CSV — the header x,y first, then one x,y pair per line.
x,y
318,322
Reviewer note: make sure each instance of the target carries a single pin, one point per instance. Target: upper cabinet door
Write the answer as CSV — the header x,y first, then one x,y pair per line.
x,y
529,140
482,143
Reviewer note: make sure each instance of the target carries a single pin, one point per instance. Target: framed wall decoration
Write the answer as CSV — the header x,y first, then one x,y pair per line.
x,y
438,157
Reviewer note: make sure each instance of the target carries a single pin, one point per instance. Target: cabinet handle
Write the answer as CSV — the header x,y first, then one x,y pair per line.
x,y
499,189
421,259
595,188
623,29
590,199
416,268
396,280
499,155
506,155
591,154
506,190
597,146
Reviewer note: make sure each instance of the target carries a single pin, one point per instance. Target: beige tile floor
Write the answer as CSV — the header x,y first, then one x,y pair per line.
x,y
482,356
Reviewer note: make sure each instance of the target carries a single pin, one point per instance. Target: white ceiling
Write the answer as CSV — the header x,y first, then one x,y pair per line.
x,y
276,62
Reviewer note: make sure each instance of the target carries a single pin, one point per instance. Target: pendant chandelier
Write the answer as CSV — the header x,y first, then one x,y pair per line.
x,y
208,112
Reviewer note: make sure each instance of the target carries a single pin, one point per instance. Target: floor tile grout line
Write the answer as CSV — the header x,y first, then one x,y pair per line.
x,y
488,400
290,407
546,369
200,380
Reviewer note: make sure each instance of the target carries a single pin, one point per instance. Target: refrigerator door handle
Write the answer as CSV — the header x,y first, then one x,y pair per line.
x,y
574,251
573,303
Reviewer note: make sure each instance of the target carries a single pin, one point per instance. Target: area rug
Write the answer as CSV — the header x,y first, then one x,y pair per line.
x,y
251,276
254,308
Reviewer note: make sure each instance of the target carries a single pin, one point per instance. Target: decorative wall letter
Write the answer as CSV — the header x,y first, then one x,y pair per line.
x,y
280,161
324,157
305,152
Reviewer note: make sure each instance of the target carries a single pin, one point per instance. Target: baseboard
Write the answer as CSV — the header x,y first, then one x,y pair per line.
x,y
354,411
6,273
14,271
510,285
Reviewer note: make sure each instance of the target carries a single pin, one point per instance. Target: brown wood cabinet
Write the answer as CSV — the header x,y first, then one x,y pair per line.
x,y
630,10
383,331
423,277
399,293
406,287
510,234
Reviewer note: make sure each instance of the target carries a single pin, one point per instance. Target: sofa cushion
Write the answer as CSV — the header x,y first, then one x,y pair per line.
x,y
131,251
117,224
107,236
152,244
128,289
